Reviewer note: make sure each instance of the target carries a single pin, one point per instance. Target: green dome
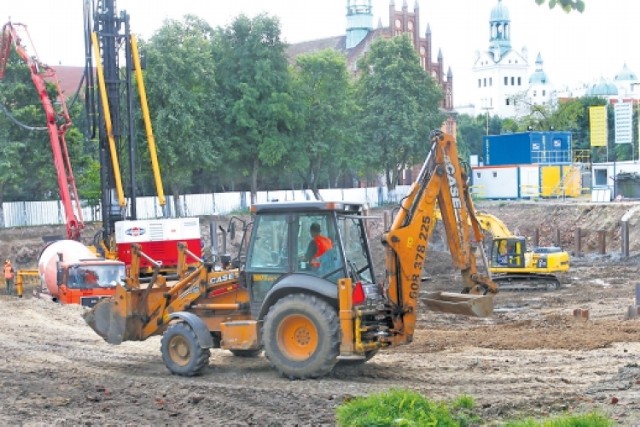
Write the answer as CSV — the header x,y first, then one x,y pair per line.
x,y
626,75
603,88
499,12
539,77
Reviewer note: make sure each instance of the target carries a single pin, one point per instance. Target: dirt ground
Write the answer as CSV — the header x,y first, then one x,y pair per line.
x,y
532,358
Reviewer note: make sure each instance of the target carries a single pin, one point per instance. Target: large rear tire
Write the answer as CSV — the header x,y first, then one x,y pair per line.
x,y
301,336
181,351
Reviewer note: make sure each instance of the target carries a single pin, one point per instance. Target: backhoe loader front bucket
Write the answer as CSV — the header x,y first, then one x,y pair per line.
x,y
466,304
111,319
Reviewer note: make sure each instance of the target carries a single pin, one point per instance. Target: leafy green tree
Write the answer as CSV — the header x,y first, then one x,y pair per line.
x,y
469,135
181,91
566,5
399,104
28,171
322,92
255,86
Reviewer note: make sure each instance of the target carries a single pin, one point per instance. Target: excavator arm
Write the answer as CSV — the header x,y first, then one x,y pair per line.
x,y
441,183
493,225
40,75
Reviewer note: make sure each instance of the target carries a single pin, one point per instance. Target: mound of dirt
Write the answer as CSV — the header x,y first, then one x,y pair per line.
x,y
532,358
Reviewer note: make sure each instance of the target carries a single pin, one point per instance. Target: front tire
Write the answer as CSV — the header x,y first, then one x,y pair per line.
x,y
301,336
181,351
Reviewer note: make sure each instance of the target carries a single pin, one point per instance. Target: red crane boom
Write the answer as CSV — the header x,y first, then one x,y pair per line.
x,y
40,75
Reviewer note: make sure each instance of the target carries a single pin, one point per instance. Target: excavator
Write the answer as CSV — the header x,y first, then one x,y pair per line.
x,y
514,265
308,317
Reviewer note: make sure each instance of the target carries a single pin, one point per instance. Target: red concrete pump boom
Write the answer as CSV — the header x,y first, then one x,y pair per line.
x,y
40,75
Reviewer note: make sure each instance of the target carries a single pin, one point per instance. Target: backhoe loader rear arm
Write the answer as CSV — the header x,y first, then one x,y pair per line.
x,y
441,181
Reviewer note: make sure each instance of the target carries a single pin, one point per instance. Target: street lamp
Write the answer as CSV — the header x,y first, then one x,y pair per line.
x,y
486,109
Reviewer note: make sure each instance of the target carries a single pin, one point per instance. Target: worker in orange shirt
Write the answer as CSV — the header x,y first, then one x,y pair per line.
x,y
8,276
318,245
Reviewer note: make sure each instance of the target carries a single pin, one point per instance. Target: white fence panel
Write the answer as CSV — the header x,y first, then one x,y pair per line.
x,y
16,214
226,203
148,207
199,204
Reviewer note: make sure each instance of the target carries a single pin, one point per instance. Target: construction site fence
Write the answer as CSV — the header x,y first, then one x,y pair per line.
x,y
34,213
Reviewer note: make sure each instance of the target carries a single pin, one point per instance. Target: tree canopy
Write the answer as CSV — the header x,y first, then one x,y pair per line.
x,y
399,104
566,5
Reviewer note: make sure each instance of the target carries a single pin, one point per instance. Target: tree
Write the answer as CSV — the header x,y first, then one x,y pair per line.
x,y
27,171
470,131
255,94
181,91
399,104
322,93
566,5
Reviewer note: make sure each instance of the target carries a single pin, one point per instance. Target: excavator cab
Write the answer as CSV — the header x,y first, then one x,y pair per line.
x,y
508,252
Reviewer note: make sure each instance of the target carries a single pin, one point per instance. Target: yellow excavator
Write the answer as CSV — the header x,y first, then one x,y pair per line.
x,y
309,316
514,265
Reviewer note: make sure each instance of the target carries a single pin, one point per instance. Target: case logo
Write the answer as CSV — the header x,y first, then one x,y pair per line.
x,y
135,231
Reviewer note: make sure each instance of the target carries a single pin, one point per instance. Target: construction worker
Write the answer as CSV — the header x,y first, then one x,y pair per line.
x,y
8,276
318,245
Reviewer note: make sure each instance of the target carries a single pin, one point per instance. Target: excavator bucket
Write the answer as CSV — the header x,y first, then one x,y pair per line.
x,y
466,304
109,318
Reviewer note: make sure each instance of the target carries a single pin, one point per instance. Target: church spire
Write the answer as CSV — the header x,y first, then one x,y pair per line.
x,y
500,31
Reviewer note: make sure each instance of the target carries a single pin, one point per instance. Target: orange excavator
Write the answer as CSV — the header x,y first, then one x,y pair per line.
x,y
308,318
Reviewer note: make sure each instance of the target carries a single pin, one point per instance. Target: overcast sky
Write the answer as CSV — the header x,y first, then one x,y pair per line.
x,y
575,47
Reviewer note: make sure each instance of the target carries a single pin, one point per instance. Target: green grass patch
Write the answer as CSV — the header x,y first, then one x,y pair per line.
x,y
405,408
591,419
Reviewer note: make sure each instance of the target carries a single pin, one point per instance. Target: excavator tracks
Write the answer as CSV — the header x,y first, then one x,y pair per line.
x,y
526,282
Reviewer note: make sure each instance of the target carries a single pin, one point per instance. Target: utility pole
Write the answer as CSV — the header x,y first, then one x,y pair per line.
x,y
486,109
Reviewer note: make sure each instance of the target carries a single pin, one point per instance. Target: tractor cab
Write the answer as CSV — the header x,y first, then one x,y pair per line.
x,y
306,244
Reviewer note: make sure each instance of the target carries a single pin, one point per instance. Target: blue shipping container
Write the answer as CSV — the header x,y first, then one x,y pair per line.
x,y
549,147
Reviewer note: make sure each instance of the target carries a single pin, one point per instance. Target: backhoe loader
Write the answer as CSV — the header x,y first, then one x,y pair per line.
x,y
307,317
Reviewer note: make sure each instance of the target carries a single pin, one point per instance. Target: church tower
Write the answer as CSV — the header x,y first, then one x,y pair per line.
x,y
540,91
359,21
500,73
405,21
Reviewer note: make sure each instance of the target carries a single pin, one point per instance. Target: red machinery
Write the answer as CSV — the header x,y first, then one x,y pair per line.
x,y
42,74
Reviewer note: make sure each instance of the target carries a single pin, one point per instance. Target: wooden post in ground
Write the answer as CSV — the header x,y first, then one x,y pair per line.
x,y
624,238
578,241
602,242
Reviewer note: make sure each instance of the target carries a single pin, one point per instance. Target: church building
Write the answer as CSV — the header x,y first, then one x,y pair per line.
x,y
503,85
360,33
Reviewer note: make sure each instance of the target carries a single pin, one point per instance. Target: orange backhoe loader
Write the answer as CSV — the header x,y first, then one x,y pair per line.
x,y
308,316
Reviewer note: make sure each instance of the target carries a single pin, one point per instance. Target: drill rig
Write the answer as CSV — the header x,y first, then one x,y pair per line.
x,y
109,99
